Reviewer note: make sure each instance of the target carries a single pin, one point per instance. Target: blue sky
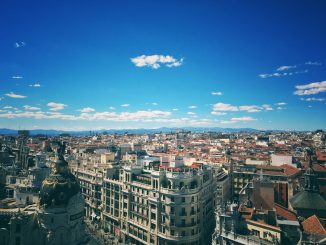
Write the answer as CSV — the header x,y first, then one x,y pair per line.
x,y
148,64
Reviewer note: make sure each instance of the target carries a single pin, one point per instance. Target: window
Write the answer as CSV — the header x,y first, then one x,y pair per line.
x,y
18,228
183,199
172,221
17,240
183,233
152,240
255,232
192,221
172,232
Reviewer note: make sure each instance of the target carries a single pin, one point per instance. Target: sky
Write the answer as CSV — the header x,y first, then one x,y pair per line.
x,y
88,65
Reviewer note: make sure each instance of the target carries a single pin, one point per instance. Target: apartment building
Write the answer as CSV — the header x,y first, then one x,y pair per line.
x,y
158,205
91,182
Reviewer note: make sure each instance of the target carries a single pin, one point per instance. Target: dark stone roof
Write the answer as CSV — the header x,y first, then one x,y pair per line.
x,y
308,200
57,189
60,186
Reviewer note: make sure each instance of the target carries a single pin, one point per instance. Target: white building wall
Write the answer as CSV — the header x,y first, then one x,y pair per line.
x,y
278,160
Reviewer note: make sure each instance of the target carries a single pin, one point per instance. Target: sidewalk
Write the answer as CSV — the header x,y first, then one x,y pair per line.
x,y
98,235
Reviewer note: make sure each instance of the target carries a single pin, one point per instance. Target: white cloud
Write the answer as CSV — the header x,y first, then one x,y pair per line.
x,y
250,108
56,106
284,68
35,85
176,63
154,104
19,44
125,105
155,117
155,61
281,74
227,122
175,109
15,96
224,107
53,112
243,119
311,88
276,74
281,103
191,113
17,77
125,116
216,93
313,63
312,99
26,114
218,113
112,108
280,108
87,110
267,107
32,108
192,107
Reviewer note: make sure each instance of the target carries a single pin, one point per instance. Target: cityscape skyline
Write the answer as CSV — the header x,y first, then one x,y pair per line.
x,y
126,65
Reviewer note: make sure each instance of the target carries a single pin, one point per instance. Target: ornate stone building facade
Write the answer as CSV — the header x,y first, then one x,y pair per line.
x,y
58,219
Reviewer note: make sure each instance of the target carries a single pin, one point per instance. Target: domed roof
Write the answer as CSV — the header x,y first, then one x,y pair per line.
x,y
57,189
60,186
308,200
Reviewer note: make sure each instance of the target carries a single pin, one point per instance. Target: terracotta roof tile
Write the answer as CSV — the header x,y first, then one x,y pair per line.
x,y
316,167
321,155
313,225
285,213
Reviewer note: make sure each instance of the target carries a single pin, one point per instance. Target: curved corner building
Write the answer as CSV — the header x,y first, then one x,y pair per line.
x,y
61,207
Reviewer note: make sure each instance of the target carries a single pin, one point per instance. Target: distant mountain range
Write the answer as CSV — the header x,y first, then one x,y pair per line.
x,y
5,131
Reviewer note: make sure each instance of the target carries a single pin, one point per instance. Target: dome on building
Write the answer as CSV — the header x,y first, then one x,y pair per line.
x,y
60,186
309,200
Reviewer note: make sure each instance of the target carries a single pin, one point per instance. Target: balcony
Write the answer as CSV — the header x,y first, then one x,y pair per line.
x,y
179,191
